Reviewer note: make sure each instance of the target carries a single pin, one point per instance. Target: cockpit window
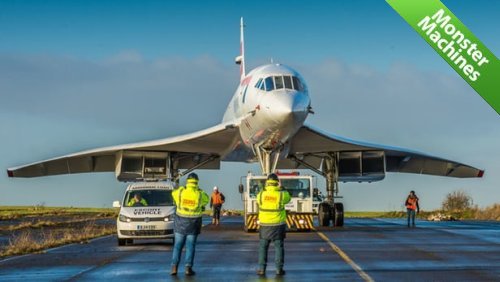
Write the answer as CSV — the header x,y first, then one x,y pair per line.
x,y
288,82
297,85
269,83
259,83
279,82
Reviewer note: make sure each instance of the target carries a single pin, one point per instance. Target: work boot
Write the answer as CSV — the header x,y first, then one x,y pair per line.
x,y
261,272
189,271
280,272
174,270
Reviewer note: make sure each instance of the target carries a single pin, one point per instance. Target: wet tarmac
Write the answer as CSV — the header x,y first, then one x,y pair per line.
x,y
364,250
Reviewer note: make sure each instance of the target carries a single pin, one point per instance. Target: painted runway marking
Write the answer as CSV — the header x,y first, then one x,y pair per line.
x,y
346,258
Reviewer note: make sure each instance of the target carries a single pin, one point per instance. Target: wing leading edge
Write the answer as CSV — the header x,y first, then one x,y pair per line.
x,y
311,145
189,149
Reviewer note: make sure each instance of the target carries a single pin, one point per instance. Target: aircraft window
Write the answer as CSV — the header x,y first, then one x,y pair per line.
x,y
269,83
262,85
259,83
244,94
297,85
279,82
288,82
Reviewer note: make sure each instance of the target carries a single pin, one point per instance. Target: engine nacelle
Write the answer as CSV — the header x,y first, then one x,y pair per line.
x,y
138,166
367,166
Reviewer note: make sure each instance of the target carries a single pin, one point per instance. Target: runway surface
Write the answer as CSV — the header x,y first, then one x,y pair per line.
x,y
363,250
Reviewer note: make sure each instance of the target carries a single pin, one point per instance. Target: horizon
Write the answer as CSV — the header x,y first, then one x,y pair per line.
x,y
78,76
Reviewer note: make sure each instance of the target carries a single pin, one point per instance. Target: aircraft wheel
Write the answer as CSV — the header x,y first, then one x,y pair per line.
x,y
339,214
324,214
129,241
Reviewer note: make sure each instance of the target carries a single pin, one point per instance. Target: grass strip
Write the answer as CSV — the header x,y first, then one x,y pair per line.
x,y
47,223
14,212
30,242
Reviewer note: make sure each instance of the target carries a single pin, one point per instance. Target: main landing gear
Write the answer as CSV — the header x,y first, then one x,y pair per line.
x,y
328,211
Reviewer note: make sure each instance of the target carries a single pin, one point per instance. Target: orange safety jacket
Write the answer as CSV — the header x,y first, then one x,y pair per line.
x,y
412,203
216,199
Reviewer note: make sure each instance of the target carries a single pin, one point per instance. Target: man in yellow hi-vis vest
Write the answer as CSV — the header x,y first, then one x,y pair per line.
x,y
272,220
190,201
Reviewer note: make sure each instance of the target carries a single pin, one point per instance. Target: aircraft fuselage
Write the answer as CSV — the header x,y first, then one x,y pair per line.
x,y
272,102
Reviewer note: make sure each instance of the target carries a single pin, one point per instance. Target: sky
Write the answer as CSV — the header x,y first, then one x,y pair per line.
x,y
76,75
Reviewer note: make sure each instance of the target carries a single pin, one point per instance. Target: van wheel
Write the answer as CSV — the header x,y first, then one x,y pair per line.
x,y
122,242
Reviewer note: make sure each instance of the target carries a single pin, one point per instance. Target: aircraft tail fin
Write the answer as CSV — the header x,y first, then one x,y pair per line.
x,y
240,60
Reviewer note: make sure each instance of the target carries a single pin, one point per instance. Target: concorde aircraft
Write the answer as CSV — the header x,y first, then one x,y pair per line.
x,y
264,122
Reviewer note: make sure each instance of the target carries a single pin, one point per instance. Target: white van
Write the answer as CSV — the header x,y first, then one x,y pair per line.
x,y
150,217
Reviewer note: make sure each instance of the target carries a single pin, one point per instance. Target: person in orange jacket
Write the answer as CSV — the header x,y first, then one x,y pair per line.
x,y
411,204
216,202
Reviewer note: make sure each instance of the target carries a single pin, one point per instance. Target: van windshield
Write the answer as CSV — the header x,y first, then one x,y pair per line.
x,y
151,197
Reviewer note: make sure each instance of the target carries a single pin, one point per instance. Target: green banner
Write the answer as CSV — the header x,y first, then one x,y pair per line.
x,y
453,41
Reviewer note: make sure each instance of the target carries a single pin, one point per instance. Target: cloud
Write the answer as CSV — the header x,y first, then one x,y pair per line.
x,y
122,91
370,103
128,56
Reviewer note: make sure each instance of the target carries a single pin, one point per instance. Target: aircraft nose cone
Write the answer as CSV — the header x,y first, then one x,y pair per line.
x,y
300,107
290,107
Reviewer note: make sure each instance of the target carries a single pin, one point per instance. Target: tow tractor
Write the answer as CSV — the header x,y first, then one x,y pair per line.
x,y
299,210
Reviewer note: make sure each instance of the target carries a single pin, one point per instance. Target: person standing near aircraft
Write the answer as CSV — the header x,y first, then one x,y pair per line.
x,y
190,201
411,204
216,201
272,219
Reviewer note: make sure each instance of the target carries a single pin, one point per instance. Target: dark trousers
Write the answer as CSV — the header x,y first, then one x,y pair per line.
x,y
411,215
216,210
279,257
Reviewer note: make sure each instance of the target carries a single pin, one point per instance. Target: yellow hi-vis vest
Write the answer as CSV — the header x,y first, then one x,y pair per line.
x,y
272,201
190,200
133,203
